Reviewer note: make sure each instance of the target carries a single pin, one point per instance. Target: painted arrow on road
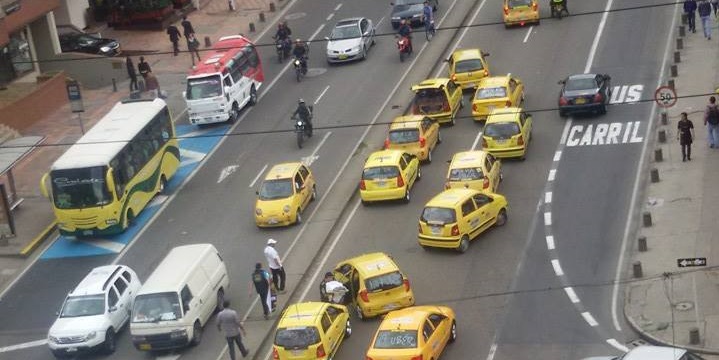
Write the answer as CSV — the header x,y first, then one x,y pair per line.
x,y
692,262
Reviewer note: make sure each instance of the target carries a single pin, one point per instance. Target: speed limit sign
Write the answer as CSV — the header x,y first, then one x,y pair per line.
x,y
665,96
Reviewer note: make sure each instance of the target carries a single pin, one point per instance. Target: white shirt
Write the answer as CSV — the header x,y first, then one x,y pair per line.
x,y
273,258
336,291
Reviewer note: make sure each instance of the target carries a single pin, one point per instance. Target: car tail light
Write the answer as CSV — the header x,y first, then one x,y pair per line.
x,y
484,142
422,141
275,353
455,230
321,351
506,10
419,357
386,143
485,183
446,107
406,284
535,6
364,296
520,140
400,181
362,185
508,103
563,101
598,98
454,77
486,72
521,23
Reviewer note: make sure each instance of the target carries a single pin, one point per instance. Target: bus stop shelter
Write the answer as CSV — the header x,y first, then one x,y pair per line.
x,y
11,153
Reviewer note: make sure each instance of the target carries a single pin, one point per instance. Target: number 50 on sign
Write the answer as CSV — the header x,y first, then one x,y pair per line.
x,y
665,96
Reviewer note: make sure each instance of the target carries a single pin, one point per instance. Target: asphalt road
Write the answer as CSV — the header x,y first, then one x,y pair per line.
x,y
591,191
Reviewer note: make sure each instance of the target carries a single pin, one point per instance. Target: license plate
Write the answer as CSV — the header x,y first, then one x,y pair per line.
x,y
436,230
272,221
500,141
87,232
580,101
145,347
390,306
381,183
490,108
72,349
342,57
297,352
470,85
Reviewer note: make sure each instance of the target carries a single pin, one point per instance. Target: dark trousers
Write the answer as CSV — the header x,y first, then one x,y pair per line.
x,y
133,83
176,47
264,293
692,21
278,278
231,341
686,151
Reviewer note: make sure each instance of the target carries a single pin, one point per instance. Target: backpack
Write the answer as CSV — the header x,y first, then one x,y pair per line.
x,y
713,115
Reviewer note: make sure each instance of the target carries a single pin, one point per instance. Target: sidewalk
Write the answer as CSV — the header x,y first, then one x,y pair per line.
x,y
669,301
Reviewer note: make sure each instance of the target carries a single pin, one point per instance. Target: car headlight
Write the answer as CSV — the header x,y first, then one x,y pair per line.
x,y
258,211
176,334
286,208
299,123
297,63
90,335
111,221
105,49
53,339
357,48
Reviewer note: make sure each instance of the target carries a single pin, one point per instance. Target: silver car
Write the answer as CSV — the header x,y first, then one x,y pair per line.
x,y
350,40
646,352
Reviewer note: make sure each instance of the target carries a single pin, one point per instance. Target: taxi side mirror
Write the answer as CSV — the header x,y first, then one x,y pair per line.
x,y
560,82
449,161
528,115
485,54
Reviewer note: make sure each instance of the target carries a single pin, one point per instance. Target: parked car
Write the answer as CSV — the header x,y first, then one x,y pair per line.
x,y
90,44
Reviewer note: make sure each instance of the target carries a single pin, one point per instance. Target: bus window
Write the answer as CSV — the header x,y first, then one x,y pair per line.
x,y
251,55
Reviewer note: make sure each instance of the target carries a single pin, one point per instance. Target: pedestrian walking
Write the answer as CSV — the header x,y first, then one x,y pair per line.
x,y
143,67
261,280
174,34
705,11
715,7
187,28
690,8
711,121
275,264
193,45
152,84
323,286
685,135
229,322
132,74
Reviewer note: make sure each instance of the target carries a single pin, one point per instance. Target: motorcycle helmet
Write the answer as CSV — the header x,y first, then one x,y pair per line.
x,y
301,101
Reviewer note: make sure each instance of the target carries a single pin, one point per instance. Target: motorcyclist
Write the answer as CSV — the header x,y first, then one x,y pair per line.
x,y
562,3
283,31
304,113
405,31
300,51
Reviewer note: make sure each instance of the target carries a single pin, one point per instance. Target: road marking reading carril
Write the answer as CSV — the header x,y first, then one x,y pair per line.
x,y
252,184
330,16
613,342
552,174
565,133
550,242
557,267
548,197
23,345
548,218
589,319
571,294
338,6
321,95
604,134
476,140
529,32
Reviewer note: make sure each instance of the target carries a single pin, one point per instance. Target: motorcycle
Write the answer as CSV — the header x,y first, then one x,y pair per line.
x,y
559,10
283,48
302,129
403,46
300,67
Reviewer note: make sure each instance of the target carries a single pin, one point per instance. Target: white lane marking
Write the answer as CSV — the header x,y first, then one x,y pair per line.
x,y
308,160
635,191
105,244
338,6
548,218
330,16
550,242
557,156
461,36
23,345
565,132
589,318
191,156
252,184
571,294
476,140
557,267
552,175
548,197
529,32
168,357
321,95
597,36
312,37
227,171
616,344
492,351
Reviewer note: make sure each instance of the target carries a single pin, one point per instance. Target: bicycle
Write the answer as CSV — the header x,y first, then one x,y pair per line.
x,y
429,29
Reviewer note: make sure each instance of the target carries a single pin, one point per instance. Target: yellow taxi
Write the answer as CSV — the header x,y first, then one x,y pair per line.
x,y
467,66
415,134
455,216
284,193
414,333
521,12
474,169
311,330
496,92
389,175
438,98
507,133
375,283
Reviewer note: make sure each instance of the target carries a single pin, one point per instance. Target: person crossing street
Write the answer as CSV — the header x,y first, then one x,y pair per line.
x,y
275,264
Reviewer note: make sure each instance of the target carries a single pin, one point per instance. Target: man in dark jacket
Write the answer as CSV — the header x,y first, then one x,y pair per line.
x,y
143,67
174,38
690,8
187,28
705,12
132,74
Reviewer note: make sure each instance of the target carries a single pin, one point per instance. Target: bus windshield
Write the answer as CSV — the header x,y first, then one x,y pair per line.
x,y
205,87
80,188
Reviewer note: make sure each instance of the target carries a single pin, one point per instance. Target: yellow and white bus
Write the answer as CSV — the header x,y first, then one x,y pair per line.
x,y
100,184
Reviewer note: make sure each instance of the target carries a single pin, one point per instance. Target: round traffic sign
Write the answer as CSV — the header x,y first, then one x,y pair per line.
x,y
665,96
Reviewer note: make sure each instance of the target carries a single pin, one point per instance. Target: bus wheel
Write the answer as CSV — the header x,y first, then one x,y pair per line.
x,y
253,95
130,219
163,185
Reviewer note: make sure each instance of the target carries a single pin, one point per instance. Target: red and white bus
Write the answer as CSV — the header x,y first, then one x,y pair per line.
x,y
224,81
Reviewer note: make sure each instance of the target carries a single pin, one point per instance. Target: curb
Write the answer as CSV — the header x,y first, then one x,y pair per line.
x,y
38,240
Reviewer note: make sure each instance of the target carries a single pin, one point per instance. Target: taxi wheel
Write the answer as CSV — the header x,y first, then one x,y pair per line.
x,y
501,218
314,193
406,196
463,244
453,332
348,329
429,156
439,137
298,218
419,174
358,312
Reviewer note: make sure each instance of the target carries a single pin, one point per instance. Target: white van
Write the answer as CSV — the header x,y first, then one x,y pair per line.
x,y
178,299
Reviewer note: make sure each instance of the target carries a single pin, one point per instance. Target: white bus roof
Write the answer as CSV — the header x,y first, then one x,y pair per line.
x,y
104,140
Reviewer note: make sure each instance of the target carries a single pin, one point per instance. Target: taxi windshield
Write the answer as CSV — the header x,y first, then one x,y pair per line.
x,y
276,189
465,174
489,93
403,136
501,130
384,282
396,339
469,65
518,3
429,101
297,337
380,172
438,215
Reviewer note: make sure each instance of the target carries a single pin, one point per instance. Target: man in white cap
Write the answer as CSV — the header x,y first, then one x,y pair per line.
x,y
275,264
